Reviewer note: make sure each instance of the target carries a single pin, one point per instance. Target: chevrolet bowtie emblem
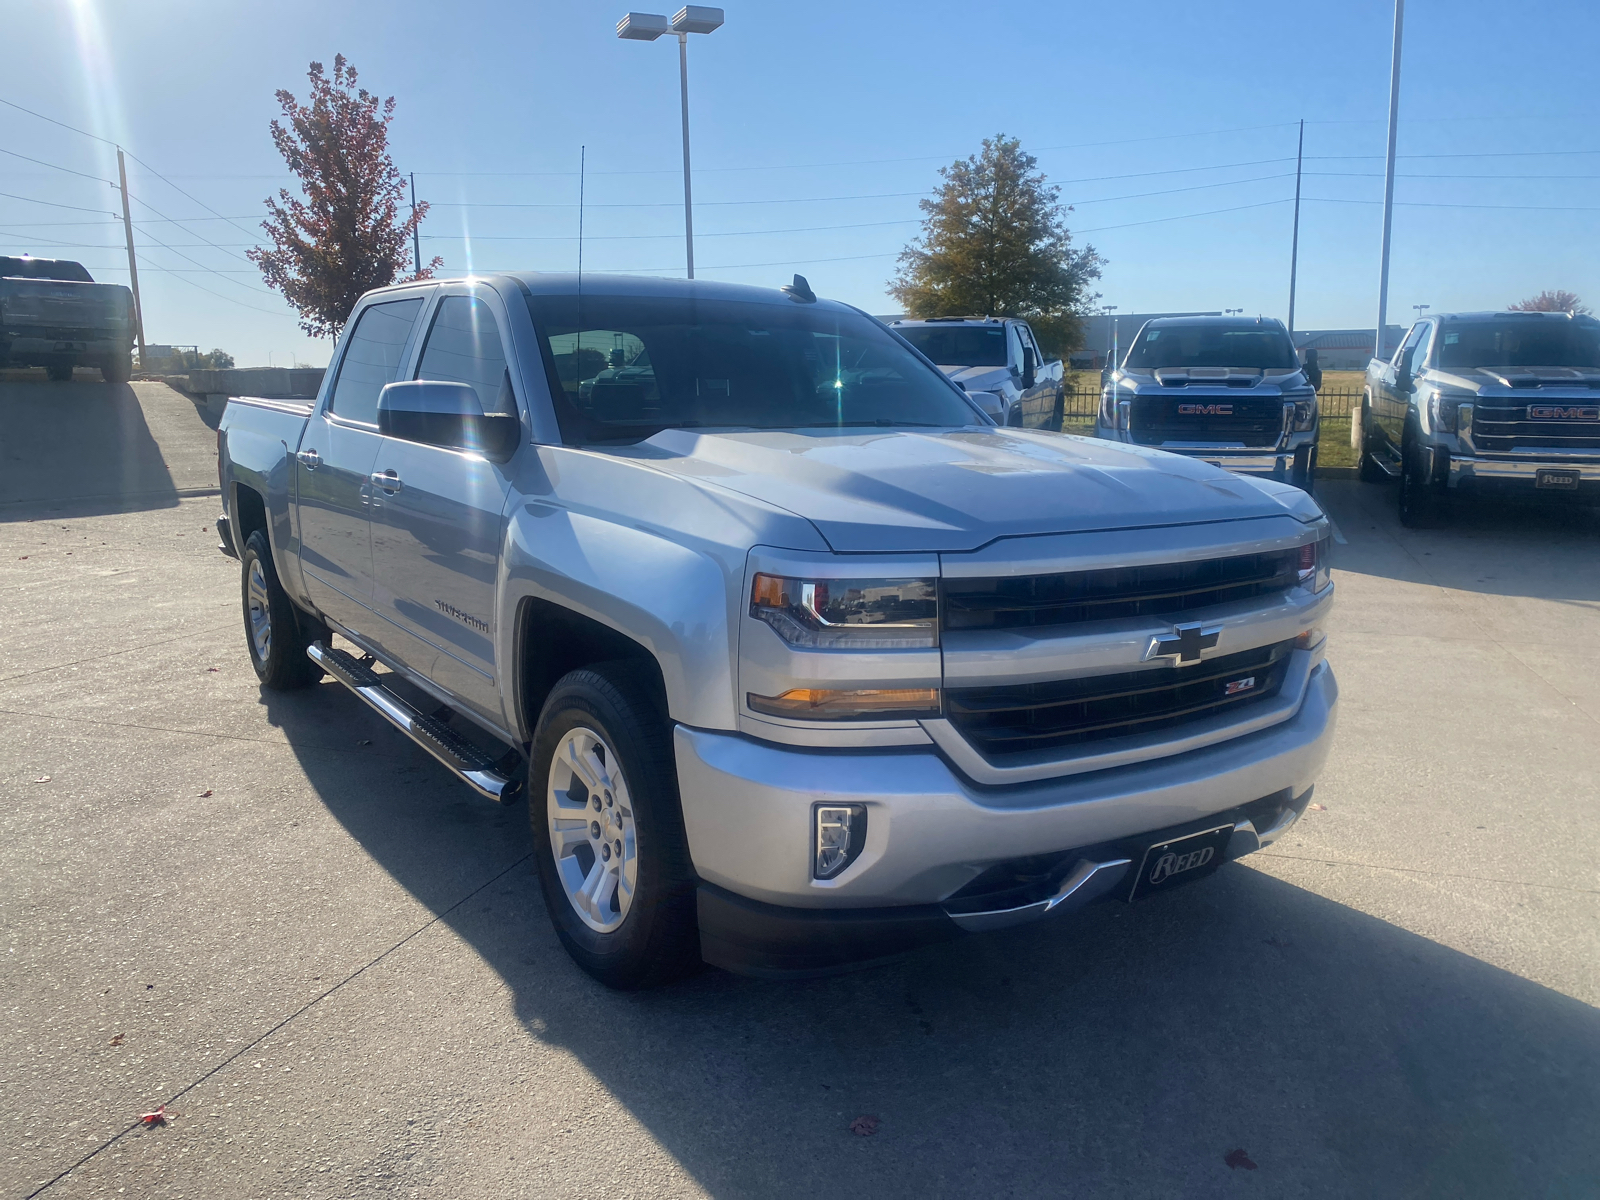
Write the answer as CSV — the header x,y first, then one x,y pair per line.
x,y
1185,644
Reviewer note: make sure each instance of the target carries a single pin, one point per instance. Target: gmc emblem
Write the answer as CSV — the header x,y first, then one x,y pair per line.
x,y
1563,412
1205,410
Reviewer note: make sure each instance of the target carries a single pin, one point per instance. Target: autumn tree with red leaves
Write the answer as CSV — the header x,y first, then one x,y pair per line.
x,y
1559,300
346,237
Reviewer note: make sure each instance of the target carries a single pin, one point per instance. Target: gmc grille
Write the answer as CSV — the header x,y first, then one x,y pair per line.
x,y
1019,718
1502,425
1164,590
1157,419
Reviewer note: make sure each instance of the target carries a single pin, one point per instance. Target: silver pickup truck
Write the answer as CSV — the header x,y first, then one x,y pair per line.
x,y
1489,402
1229,390
996,360
799,659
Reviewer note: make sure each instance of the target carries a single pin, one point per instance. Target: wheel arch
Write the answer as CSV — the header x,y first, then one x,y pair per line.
x,y
552,639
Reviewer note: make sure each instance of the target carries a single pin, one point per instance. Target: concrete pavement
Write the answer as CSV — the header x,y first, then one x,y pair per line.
x,y
332,962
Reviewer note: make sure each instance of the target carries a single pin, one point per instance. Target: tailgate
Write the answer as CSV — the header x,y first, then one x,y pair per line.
x,y
58,305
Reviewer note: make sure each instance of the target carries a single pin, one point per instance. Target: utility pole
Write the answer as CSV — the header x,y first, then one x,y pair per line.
x,y
688,202
1294,245
416,241
1388,179
133,263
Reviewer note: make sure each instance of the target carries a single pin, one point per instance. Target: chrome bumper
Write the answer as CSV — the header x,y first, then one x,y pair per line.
x,y
1525,471
747,807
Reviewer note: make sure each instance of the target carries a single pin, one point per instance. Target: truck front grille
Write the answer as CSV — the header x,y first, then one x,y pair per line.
x,y
1157,419
1018,718
1164,590
1501,425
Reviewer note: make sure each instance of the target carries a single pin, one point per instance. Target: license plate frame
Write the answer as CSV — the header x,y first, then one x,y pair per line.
x,y
1160,869
1556,479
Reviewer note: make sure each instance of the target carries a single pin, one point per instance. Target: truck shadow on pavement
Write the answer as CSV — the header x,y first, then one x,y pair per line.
x,y
83,448
1123,1051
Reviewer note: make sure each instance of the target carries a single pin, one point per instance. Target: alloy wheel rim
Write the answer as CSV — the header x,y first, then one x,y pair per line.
x,y
258,611
592,831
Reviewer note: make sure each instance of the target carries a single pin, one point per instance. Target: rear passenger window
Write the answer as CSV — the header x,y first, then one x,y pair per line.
x,y
372,359
464,347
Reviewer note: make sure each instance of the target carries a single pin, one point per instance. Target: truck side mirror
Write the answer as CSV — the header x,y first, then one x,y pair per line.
x,y
1029,367
448,415
1313,370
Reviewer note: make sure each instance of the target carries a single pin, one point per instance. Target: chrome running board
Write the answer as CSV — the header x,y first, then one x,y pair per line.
x,y
1085,882
470,764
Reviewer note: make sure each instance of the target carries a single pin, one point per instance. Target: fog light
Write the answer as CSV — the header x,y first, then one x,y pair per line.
x,y
841,833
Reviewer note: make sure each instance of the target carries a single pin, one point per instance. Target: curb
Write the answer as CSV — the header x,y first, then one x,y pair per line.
x,y
1338,473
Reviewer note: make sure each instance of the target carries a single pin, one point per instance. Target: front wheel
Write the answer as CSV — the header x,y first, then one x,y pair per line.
x,y
608,835
275,632
1420,500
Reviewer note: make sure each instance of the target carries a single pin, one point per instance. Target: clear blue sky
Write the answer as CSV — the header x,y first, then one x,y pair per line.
x,y
817,126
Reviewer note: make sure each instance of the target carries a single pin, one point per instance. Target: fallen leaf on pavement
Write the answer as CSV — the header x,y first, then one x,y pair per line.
x,y
364,742
117,1041
42,779
159,1116
864,1126
1238,1158
1318,808
213,669
22,557
205,793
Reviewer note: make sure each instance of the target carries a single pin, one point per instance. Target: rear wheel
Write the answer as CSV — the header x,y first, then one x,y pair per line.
x,y
276,633
59,372
612,857
118,368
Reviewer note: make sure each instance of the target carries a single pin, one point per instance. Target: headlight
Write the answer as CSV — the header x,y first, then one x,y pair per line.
x,y
1305,410
1450,412
1315,571
849,614
1112,411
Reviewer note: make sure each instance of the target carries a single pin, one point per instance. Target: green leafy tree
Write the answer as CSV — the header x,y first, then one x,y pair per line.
x,y
346,237
994,242
1559,300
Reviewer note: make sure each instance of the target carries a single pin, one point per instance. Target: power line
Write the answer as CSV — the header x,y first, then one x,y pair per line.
x,y
1184,216
1192,188
54,204
1444,204
41,162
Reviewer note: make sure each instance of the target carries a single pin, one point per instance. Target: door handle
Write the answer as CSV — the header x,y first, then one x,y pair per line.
x,y
310,458
387,480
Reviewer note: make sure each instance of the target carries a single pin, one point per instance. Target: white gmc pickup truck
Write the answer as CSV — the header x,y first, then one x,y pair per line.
x,y
798,658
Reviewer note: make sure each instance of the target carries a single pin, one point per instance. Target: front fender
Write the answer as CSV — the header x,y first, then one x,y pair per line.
x,y
673,599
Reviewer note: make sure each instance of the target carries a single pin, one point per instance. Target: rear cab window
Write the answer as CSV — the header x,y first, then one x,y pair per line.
x,y
372,359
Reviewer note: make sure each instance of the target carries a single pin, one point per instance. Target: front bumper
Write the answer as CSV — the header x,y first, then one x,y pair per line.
x,y
1517,474
1274,462
747,809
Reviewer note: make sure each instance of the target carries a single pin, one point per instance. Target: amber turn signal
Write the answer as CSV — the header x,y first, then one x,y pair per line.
x,y
856,704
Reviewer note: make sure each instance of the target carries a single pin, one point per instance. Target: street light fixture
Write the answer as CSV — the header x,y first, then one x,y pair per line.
x,y
647,27
1420,309
1230,312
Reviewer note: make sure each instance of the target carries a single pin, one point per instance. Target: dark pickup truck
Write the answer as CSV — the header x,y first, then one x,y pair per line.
x,y
54,315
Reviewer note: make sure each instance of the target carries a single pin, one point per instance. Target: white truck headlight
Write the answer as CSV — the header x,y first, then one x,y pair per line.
x,y
1305,410
1450,412
849,614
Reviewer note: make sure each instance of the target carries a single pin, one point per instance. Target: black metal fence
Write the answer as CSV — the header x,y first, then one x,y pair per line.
x,y
1075,410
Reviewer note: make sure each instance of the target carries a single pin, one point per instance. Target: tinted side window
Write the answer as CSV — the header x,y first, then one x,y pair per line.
x,y
464,347
372,359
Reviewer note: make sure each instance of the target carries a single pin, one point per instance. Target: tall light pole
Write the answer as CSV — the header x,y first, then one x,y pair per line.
x,y
647,27
1294,243
1388,178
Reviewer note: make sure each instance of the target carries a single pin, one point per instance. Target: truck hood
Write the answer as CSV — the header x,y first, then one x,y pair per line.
x,y
903,491
1498,380
978,379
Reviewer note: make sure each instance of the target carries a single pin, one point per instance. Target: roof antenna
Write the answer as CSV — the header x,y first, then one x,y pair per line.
x,y
577,353
799,290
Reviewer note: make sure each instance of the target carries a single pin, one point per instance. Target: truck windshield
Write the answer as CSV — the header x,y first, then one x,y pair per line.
x,y
43,268
1520,342
958,345
1261,348
632,366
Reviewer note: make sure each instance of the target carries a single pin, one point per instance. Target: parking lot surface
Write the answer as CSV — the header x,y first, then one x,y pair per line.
x,y
275,915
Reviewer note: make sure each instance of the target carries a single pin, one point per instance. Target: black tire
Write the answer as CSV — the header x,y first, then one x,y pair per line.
x,y
59,372
657,938
118,368
1366,467
1304,473
1419,501
284,665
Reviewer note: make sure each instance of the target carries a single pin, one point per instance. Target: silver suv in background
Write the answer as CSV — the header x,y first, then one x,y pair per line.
x,y
1229,390
995,359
